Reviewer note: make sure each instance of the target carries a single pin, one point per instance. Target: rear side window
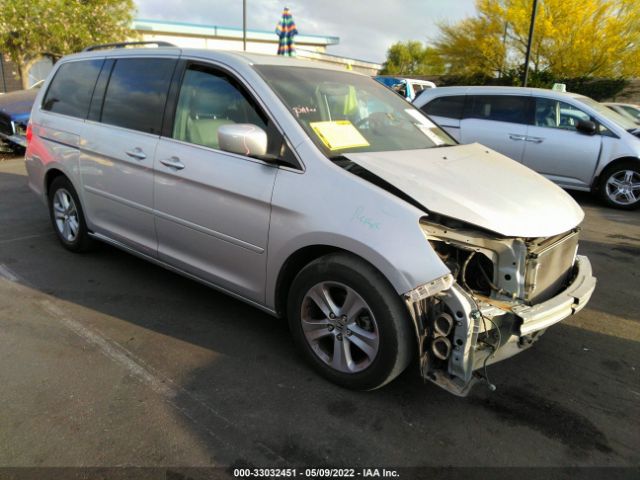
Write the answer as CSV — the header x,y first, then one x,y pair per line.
x,y
501,108
450,107
137,93
71,88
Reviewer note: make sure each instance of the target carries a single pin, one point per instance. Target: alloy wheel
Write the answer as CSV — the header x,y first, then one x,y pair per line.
x,y
340,327
66,215
623,187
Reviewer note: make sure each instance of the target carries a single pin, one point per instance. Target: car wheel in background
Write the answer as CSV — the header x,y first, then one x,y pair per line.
x,y
620,185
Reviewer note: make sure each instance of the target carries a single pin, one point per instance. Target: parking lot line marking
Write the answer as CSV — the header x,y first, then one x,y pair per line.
x,y
109,349
27,237
160,384
164,386
7,273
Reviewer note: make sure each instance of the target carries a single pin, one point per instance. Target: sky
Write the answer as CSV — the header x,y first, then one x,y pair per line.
x,y
366,27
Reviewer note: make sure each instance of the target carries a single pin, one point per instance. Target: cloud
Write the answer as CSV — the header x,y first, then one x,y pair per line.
x,y
366,27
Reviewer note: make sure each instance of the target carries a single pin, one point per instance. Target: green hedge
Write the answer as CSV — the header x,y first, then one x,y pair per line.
x,y
596,88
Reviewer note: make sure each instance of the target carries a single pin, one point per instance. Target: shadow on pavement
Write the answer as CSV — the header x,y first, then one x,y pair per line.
x,y
570,400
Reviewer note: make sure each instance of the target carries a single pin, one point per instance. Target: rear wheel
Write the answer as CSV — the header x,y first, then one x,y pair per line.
x,y
349,323
620,186
67,217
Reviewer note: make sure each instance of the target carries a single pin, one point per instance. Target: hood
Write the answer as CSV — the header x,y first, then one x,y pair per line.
x,y
479,186
18,103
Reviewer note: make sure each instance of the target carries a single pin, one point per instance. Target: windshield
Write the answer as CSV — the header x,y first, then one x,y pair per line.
x,y
343,112
609,114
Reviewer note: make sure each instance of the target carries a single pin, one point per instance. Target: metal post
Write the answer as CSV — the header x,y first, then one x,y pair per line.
x,y
4,78
244,25
526,60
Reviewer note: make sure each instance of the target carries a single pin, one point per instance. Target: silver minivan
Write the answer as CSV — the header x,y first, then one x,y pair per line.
x,y
574,141
315,194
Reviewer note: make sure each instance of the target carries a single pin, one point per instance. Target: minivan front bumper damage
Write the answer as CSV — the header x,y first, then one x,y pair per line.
x,y
459,334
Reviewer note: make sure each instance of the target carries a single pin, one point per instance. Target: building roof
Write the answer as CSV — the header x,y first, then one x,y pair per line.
x,y
164,26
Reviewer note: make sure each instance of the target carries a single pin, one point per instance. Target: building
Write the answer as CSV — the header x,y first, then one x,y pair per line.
x,y
10,79
187,35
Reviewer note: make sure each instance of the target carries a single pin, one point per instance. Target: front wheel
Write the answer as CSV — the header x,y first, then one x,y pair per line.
x,y
349,323
620,186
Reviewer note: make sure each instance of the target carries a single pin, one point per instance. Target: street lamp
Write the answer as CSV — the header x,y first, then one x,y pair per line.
x,y
531,25
244,25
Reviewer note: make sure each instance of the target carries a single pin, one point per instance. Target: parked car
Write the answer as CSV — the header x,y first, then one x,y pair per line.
x,y
311,193
15,108
572,140
408,88
626,110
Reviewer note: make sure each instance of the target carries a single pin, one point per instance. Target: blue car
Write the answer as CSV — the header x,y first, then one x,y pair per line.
x,y
15,109
408,88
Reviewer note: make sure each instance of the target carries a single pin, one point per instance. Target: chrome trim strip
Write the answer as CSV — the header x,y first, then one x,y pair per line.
x,y
165,216
117,199
207,231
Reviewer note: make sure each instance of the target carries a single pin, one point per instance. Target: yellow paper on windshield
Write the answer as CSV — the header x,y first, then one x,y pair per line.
x,y
339,134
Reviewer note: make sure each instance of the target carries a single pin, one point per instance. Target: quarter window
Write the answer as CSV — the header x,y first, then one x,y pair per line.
x,y
556,114
501,108
449,107
71,88
209,100
137,93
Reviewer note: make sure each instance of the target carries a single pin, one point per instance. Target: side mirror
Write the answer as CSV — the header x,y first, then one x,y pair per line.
x,y
243,139
587,127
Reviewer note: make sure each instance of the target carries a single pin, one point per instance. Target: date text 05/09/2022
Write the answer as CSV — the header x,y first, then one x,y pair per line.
x,y
315,473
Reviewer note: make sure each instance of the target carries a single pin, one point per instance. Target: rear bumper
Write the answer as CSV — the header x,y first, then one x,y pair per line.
x,y
17,139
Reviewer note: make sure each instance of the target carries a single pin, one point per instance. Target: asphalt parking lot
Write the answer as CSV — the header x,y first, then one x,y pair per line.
x,y
106,360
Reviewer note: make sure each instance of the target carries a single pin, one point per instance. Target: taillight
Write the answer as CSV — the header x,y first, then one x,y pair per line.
x,y
29,133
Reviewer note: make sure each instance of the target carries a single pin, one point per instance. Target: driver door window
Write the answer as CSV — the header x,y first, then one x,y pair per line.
x,y
556,114
208,101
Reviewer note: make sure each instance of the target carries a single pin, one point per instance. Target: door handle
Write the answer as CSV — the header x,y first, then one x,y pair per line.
x,y
136,153
514,136
173,162
535,139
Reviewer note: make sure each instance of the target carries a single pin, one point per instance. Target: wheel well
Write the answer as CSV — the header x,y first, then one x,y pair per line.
x,y
296,262
617,161
50,177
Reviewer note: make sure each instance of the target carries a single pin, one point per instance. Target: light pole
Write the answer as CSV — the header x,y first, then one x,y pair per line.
x,y
244,25
526,60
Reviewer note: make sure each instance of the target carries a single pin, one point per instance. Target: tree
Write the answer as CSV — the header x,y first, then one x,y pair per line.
x,y
53,28
412,58
572,38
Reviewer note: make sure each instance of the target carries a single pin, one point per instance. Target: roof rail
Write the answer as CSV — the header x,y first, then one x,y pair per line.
x,y
127,44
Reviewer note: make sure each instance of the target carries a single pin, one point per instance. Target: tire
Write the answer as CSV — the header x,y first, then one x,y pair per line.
x,y
377,332
619,185
67,217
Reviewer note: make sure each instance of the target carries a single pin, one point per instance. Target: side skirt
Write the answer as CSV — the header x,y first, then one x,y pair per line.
x,y
160,263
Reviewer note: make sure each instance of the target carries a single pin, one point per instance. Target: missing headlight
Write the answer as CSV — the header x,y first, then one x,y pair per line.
x,y
474,270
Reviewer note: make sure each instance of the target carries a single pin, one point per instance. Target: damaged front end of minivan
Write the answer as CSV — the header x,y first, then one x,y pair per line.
x,y
501,295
